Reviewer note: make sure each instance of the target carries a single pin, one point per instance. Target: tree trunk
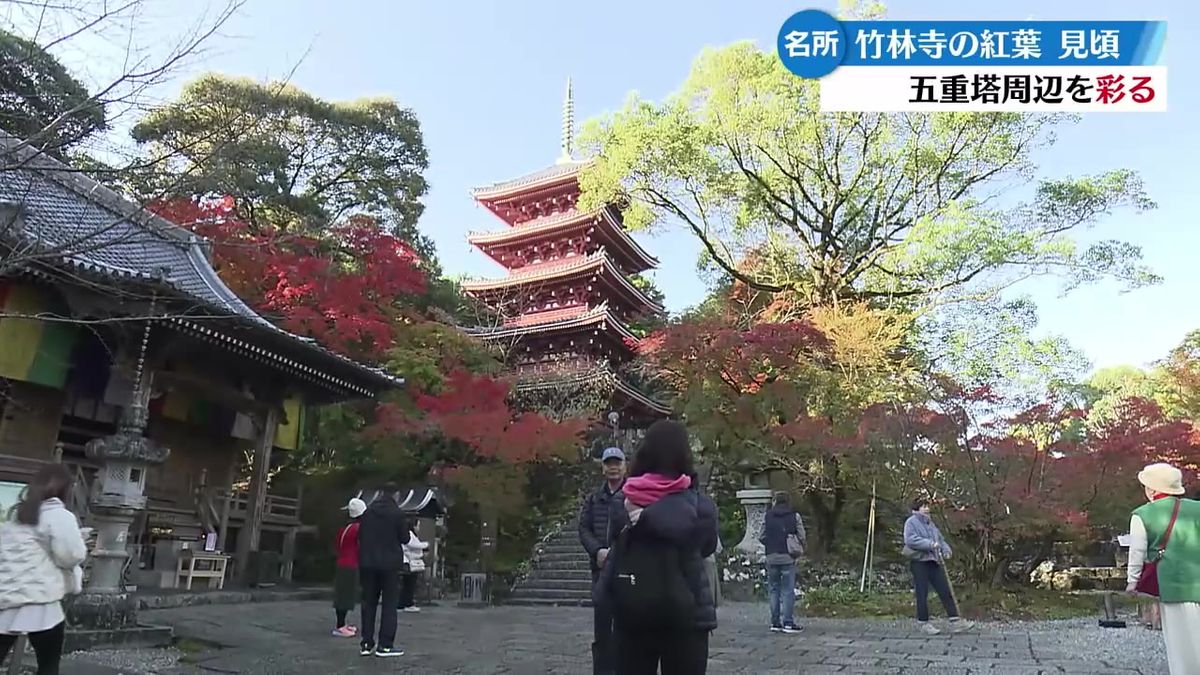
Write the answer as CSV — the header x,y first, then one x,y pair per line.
x,y
827,516
999,571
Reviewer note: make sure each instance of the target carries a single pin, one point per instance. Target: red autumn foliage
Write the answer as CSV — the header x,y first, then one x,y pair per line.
x,y
474,410
744,360
341,288
1013,483
817,432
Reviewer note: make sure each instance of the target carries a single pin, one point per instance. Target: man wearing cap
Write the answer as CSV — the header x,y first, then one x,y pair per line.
x,y
383,531
1170,523
600,520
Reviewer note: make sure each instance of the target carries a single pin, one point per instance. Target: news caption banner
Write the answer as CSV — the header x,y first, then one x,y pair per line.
x,y
997,66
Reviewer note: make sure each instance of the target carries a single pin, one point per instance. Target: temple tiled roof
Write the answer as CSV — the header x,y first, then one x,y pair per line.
x,y
548,175
592,373
76,222
557,320
559,269
562,222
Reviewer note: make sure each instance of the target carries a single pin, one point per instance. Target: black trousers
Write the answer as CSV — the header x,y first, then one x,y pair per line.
x,y
603,650
380,591
47,644
408,589
927,573
684,653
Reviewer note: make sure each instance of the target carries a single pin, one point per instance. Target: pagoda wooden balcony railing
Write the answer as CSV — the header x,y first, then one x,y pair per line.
x,y
277,507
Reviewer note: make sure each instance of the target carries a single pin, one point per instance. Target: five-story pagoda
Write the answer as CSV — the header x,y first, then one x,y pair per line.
x,y
565,305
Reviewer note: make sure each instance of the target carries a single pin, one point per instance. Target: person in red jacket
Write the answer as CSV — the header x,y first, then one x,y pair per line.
x,y
345,580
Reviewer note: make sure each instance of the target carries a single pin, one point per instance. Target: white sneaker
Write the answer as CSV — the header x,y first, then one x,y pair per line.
x,y
412,610
960,625
928,628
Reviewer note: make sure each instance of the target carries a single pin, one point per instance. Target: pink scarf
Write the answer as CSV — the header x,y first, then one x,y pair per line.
x,y
648,488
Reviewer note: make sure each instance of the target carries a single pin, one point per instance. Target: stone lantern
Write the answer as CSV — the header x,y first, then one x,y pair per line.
x,y
755,498
118,494
115,499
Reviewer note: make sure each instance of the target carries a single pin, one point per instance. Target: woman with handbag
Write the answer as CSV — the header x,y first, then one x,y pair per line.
x,y
41,550
783,539
1164,561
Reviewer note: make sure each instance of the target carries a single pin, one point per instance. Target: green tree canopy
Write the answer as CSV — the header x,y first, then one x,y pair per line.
x,y
288,158
860,206
40,101
991,343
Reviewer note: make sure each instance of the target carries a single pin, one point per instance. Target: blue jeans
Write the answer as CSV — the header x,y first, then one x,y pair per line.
x,y
781,585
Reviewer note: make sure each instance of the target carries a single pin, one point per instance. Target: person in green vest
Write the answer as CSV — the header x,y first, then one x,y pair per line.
x,y
1179,567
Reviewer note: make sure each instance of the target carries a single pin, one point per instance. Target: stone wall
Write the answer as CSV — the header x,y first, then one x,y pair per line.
x,y
31,420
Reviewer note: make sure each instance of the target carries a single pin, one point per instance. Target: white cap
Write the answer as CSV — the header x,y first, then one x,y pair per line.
x,y
355,507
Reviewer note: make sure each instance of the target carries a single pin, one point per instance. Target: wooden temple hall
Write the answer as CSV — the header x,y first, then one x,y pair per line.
x,y
567,299
124,357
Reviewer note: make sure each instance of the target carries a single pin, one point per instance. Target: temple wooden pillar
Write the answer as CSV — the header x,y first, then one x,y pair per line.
x,y
289,554
256,501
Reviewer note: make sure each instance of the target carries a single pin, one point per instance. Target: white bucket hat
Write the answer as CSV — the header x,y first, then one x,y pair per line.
x,y
1163,478
355,507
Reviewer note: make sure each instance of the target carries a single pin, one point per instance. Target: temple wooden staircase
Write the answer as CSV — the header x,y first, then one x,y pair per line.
x,y
559,574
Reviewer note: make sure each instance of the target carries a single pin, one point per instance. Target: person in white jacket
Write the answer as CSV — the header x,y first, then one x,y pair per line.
x,y
41,550
414,561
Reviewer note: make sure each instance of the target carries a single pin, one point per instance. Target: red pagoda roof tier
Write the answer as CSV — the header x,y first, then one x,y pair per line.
x,y
610,232
563,270
557,174
564,320
542,193
533,381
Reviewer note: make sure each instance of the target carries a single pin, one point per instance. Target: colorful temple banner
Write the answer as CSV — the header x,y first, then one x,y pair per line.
x,y
289,435
181,407
32,350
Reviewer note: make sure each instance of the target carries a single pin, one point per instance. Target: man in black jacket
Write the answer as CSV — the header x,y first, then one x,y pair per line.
x,y
600,520
382,533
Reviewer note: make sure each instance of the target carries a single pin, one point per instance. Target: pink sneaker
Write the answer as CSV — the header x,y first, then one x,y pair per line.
x,y
345,631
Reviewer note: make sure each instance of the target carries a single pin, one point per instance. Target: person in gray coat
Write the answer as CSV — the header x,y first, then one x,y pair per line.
x,y
927,551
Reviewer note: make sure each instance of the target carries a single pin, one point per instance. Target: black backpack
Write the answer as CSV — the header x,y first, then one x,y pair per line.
x,y
650,592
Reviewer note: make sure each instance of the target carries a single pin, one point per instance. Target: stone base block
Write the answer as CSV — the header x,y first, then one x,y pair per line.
x,y
101,611
118,638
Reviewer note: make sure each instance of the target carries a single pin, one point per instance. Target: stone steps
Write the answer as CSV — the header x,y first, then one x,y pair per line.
x,y
575,584
560,573
543,590
568,573
537,602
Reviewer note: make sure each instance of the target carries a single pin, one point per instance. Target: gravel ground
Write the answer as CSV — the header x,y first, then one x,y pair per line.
x,y
284,640
130,661
1132,647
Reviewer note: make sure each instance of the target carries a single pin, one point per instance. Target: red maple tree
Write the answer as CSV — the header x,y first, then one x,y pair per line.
x,y
343,287
492,444
1012,484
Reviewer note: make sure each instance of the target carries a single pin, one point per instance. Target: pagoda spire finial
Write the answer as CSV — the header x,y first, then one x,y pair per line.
x,y
568,127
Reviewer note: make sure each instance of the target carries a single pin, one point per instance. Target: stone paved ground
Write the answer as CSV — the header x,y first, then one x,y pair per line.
x,y
292,637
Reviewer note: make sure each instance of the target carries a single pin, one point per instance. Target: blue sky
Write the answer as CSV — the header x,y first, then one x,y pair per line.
x,y
486,80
